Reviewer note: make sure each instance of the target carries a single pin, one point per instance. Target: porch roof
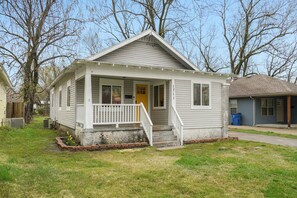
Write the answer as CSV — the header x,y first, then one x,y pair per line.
x,y
4,77
261,86
82,62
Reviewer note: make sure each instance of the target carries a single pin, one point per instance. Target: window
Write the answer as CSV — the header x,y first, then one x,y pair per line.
x,y
68,92
60,98
267,106
111,94
201,96
233,106
159,96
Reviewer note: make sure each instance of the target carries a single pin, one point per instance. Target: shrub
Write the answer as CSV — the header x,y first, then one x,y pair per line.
x,y
69,140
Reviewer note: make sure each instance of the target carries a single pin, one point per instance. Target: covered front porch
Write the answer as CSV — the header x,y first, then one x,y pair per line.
x,y
115,102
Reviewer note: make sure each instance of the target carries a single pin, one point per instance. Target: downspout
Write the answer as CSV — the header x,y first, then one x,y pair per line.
x,y
254,110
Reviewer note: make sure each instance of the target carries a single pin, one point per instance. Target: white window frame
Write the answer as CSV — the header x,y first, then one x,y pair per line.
x,y
68,86
267,108
158,84
111,82
192,95
236,102
60,98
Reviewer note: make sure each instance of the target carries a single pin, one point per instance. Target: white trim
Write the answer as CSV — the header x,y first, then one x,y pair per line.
x,y
135,82
60,99
141,35
111,82
68,85
158,84
192,95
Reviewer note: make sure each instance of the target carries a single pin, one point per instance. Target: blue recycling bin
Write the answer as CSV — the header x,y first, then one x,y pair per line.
x,y
236,119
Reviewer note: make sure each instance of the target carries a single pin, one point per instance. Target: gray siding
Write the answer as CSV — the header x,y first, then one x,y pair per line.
x,y
142,53
80,84
128,90
159,116
64,116
198,118
95,89
245,107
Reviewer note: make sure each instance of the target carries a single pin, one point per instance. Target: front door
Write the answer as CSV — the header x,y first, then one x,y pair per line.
x,y
142,95
280,114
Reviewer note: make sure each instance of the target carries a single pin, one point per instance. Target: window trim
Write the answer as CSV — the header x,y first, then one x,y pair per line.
x,y
111,82
192,95
273,107
60,98
68,86
165,104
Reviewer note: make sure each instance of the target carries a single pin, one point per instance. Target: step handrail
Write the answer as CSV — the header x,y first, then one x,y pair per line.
x,y
146,123
178,124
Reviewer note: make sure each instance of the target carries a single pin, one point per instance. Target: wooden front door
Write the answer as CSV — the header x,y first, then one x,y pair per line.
x,y
142,95
280,114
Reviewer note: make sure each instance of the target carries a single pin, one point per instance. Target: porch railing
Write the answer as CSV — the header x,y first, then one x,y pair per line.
x,y
178,125
104,114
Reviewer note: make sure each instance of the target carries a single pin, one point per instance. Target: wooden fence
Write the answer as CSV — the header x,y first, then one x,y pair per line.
x,y
15,110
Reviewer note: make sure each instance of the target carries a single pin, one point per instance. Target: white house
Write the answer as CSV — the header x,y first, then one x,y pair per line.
x,y
4,85
141,88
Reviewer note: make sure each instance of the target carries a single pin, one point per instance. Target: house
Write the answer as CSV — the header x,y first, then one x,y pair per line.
x,y
4,85
264,100
139,88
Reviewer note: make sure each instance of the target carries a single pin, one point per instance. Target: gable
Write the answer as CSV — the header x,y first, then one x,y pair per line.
x,y
145,51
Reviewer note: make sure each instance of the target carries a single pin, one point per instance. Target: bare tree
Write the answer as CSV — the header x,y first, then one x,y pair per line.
x,y
124,18
32,33
255,28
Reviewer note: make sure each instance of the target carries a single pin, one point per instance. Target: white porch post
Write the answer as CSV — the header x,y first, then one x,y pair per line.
x,y
88,104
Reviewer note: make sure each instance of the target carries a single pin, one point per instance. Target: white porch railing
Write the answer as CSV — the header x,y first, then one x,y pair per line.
x,y
146,123
178,125
123,114
80,113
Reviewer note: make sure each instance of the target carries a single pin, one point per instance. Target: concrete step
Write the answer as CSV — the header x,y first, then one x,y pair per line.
x,y
166,144
161,128
170,148
165,138
162,133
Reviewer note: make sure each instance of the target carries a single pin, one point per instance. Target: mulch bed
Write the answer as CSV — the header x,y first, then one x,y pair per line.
x,y
210,140
63,146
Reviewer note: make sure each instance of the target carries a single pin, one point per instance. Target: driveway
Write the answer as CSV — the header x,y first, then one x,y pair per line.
x,y
264,138
292,131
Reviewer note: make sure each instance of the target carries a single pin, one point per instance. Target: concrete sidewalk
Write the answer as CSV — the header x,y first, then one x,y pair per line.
x,y
292,131
264,138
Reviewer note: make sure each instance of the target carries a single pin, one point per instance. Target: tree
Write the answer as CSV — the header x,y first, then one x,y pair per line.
x,y
124,18
254,28
32,33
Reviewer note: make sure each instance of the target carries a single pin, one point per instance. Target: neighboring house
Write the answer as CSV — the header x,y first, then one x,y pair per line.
x,y
142,80
4,85
264,100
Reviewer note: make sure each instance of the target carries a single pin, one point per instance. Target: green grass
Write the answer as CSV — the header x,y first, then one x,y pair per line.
x,y
269,133
31,165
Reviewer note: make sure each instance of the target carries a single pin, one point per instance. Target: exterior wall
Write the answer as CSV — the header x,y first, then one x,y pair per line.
x,y
80,87
198,118
63,115
2,101
160,116
142,53
245,107
265,119
293,110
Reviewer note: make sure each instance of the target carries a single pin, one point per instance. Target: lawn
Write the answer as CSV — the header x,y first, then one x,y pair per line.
x,y
31,165
269,133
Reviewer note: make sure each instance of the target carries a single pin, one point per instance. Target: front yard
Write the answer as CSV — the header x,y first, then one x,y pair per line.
x,y
31,165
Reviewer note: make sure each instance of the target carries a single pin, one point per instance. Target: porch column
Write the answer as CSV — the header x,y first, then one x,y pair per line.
x,y
88,104
225,109
289,110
